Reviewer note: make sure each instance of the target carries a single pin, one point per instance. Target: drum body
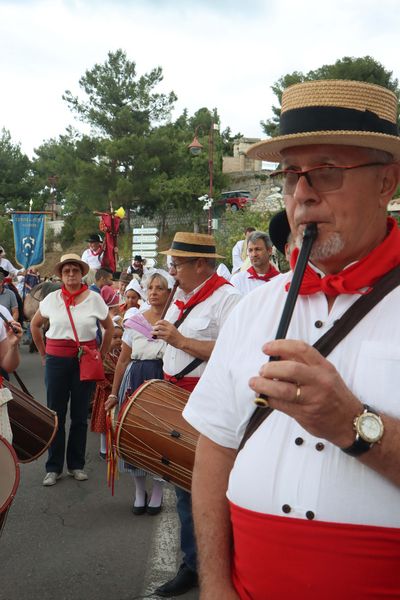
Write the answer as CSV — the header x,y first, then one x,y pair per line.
x,y
152,434
33,425
9,479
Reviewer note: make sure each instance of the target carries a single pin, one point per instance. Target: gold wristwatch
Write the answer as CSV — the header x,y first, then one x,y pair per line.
x,y
369,430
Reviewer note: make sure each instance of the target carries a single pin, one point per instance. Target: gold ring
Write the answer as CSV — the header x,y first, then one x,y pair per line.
x,y
298,393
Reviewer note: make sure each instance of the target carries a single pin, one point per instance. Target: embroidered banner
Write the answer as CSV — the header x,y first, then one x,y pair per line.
x,y
29,238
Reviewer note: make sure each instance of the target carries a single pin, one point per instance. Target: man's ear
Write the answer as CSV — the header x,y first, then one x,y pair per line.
x,y
389,182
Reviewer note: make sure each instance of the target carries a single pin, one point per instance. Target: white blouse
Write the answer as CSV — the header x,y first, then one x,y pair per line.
x,y
142,348
83,314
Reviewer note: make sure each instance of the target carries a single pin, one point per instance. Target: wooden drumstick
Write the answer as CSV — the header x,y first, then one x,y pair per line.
x,y
10,325
168,304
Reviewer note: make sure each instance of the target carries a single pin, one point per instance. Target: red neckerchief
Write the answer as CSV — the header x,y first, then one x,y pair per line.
x,y
272,272
204,292
362,274
69,297
99,251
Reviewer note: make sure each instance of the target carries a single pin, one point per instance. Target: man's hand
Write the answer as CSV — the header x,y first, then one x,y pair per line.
x,y
307,387
164,330
14,333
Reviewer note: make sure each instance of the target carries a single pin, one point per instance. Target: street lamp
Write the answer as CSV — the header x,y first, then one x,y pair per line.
x,y
53,180
195,149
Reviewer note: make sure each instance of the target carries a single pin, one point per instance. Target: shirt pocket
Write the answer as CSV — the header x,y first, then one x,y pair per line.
x,y
199,328
377,376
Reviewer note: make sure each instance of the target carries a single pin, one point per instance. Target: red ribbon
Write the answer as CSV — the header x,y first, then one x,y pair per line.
x,y
111,453
202,294
362,274
272,272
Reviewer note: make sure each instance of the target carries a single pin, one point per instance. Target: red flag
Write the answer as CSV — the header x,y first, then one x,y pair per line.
x,y
109,225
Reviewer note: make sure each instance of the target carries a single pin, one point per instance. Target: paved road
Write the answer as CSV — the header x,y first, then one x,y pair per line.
x,y
74,541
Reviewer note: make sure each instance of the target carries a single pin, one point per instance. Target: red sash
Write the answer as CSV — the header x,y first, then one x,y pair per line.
x,y
66,348
283,558
186,383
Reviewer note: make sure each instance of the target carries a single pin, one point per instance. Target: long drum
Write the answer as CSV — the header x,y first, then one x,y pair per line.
x,y
152,434
9,479
33,425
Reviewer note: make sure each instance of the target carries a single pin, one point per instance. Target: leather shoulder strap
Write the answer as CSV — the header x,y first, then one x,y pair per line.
x,y
179,322
326,343
72,324
196,361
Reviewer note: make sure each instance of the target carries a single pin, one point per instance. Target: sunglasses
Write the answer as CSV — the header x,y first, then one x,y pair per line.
x,y
321,179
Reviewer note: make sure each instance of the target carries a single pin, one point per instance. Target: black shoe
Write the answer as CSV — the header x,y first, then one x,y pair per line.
x,y
140,510
103,455
184,580
153,510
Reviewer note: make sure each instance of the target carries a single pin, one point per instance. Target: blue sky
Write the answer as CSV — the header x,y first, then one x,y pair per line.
x,y
215,53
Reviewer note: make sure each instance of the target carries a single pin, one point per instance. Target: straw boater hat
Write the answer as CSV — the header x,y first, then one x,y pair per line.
x,y
199,245
349,113
71,258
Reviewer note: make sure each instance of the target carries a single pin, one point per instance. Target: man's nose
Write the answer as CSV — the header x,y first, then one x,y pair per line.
x,y
304,192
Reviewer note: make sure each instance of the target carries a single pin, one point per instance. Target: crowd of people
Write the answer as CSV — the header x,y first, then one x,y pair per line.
x,y
298,498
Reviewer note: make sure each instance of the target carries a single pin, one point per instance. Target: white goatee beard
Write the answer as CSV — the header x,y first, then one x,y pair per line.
x,y
326,249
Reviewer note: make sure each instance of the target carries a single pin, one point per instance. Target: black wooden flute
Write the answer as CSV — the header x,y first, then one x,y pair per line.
x,y
309,237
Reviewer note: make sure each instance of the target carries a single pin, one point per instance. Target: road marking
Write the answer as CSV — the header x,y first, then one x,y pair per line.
x,y
163,555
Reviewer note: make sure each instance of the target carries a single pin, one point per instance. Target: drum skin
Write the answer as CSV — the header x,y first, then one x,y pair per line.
x,y
33,425
152,434
9,478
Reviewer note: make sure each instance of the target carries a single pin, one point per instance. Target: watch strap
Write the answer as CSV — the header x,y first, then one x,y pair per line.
x,y
358,447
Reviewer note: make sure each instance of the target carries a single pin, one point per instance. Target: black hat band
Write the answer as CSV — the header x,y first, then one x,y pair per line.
x,y
192,248
333,118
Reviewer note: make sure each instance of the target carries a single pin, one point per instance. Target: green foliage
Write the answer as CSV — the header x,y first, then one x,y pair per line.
x,y
363,68
135,156
119,102
232,227
15,175
7,236
77,227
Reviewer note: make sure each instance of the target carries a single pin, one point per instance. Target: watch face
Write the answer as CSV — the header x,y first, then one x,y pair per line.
x,y
370,427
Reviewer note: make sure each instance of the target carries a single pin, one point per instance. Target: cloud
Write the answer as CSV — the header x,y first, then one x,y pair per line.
x,y
215,53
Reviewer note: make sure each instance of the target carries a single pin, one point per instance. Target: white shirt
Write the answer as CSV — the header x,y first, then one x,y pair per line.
x,y
7,314
223,271
203,323
83,314
272,470
8,266
237,256
93,260
244,283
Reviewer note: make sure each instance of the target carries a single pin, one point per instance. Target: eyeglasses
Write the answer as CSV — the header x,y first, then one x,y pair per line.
x,y
177,266
71,271
321,179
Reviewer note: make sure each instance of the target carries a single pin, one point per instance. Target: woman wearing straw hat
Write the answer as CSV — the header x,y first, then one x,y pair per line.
x,y
60,357
311,501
